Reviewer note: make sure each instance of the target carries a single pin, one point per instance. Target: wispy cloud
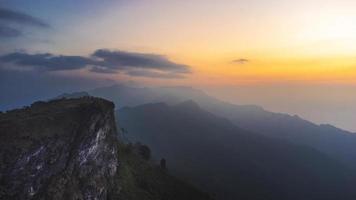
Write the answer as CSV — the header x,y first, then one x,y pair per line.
x,y
9,32
103,70
101,61
47,61
12,23
240,61
123,59
153,74
21,18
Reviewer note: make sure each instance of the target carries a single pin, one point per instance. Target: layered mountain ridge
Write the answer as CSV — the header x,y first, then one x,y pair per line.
x,y
231,162
335,142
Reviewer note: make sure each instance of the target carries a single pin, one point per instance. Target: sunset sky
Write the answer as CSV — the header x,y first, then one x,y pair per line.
x,y
289,56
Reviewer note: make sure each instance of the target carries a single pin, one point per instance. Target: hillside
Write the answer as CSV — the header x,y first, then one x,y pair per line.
x,y
231,162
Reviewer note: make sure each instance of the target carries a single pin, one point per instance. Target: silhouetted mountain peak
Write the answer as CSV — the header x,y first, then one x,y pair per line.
x,y
146,107
183,89
154,105
115,87
190,104
72,95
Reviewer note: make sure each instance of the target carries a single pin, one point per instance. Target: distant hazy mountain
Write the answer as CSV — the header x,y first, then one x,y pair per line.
x,y
231,162
72,95
335,142
126,96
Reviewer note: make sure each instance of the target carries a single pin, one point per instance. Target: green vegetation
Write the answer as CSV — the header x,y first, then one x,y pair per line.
x,y
142,179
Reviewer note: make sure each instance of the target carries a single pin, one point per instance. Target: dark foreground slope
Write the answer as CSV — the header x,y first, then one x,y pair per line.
x,y
69,149
139,180
231,162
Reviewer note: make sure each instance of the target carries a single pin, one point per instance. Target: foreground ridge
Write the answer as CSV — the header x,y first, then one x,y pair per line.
x,y
69,149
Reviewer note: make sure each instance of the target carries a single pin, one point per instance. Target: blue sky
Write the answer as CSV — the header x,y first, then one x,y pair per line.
x,y
59,14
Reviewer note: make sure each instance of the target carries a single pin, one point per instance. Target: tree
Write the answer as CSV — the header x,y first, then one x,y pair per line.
x,y
144,151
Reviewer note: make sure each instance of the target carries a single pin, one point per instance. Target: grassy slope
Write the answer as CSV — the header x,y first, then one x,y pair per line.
x,y
139,179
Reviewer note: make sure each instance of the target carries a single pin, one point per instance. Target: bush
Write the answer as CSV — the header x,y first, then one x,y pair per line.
x,y
144,151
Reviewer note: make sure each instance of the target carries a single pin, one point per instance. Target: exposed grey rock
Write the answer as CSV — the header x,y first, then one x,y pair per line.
x,y
62,149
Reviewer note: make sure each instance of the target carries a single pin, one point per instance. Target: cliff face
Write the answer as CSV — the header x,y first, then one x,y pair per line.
x,y
62,149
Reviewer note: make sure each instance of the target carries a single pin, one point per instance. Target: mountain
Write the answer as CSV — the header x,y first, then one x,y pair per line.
x,y
72,95
230,162
70,149
123,95
335,142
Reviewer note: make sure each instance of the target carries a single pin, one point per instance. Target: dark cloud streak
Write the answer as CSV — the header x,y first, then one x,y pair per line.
x,y
21,18
48,62
241,61
102,61
123,59
103,70
153,74
8,32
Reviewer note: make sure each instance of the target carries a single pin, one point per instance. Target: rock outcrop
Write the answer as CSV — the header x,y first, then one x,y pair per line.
x,y
62,149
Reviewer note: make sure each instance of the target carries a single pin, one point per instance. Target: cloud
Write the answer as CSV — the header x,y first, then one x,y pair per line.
x,y
241,61
21,18
123,59
12,22
47,62
153,74
101,61
9,32
103,70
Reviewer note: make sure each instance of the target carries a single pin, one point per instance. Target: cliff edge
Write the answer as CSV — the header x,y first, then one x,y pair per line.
x,y
62,149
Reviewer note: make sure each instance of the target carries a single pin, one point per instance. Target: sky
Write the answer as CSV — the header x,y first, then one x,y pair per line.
x,y
288,56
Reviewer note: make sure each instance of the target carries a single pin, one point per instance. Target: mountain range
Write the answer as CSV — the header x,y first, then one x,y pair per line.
x,y
230,162
336,143
235,151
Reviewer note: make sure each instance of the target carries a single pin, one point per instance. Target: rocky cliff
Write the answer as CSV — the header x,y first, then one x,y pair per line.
x,y
58,150
69,149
